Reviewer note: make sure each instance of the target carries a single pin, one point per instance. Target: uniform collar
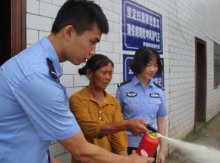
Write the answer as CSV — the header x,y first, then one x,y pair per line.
x,y
137,81
151,83
51,53
87,96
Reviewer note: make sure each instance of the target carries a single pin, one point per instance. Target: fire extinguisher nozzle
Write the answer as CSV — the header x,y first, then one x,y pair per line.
x,y
149,127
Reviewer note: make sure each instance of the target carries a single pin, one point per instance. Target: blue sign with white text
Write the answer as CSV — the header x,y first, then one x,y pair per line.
x,y
141,27
128,74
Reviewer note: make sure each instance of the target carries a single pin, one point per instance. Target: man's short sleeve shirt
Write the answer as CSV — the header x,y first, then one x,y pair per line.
x,y
33,106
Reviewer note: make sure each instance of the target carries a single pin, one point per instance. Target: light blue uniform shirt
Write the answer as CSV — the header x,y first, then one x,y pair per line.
x,y
139,102
32,106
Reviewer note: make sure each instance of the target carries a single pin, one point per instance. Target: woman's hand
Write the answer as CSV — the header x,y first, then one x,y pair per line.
x,y
161,157
135,126
161,123
54,160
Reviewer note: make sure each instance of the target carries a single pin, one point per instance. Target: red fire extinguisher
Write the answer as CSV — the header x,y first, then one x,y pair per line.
x,y
148,145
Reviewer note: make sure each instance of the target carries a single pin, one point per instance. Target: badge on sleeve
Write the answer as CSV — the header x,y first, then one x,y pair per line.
x,y
131,94
154,95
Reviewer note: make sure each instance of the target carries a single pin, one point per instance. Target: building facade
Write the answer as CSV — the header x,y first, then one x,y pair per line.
x,y
190,33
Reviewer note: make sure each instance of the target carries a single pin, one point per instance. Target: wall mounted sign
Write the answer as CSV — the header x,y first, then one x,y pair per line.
x,y
141,27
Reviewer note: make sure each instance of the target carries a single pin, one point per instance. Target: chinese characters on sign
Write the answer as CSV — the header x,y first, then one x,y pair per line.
x,y
128,74
140,27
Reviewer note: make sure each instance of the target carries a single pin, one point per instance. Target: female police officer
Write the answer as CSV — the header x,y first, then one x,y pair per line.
x,y
140,97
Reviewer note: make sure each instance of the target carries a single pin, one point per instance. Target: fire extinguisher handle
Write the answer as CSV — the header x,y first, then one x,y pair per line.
x,y
149,127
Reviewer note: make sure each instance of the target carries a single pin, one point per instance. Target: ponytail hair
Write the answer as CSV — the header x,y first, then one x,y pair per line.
x,y
82,71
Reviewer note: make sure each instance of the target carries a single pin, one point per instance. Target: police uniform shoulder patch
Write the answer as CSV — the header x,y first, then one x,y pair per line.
x,y
52,70
159,86
125,82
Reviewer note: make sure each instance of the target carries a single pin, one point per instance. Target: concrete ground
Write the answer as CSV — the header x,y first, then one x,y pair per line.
x,y
208,135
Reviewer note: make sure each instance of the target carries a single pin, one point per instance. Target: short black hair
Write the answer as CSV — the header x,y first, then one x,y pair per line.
x,y
96,62
82,15
142,57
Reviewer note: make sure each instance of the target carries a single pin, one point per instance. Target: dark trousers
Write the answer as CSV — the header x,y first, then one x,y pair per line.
x,y
130,149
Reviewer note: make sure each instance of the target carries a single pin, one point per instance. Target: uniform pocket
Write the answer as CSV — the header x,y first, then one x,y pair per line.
x,y
155,101
154,104
131,107
131,101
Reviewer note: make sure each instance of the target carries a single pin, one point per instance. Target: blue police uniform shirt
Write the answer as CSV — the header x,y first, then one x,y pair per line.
x,y
32,106
139,102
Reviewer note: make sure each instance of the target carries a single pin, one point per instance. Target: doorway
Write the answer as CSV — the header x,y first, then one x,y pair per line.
x,y
200,83
13,28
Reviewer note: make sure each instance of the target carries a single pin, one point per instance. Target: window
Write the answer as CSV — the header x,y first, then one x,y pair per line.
x,y
216,66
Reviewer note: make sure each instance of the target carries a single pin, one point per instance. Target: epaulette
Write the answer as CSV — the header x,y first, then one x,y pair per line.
x,y
52,71
125,82
159,86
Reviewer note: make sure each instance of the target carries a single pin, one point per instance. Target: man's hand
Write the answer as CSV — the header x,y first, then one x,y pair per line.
x,y
86,152
123,153
140,159
161,157
135,126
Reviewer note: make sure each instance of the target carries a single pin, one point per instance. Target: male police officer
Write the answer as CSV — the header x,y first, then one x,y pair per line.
x,y
33,100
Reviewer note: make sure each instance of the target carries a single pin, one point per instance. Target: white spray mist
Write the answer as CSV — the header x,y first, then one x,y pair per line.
x,y
198,153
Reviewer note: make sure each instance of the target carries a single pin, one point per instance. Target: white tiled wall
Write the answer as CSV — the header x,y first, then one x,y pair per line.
x,y
183,21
